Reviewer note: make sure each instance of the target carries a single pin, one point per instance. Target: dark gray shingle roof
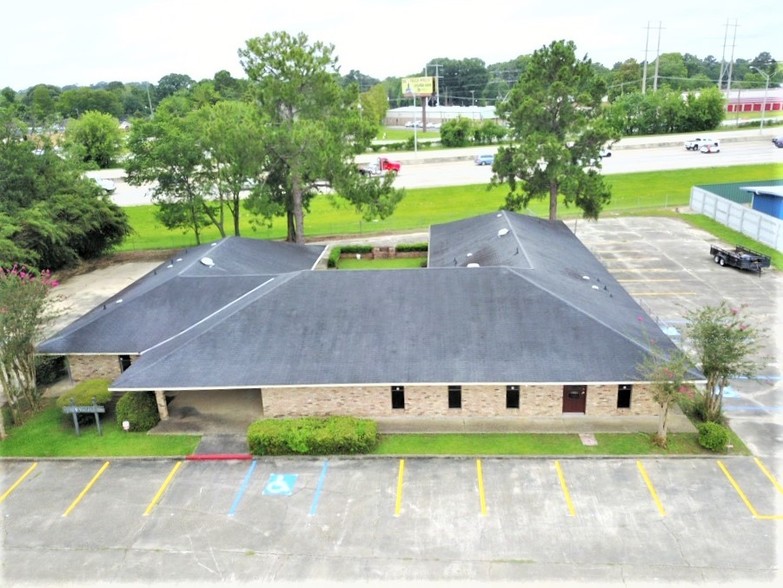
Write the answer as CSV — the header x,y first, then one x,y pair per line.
x,y
179,293
395,327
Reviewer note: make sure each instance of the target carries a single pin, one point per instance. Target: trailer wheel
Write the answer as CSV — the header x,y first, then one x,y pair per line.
x,y
722,261
716,259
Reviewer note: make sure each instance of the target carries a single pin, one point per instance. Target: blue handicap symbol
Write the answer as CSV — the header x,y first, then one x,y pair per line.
x,y
729,392
280,484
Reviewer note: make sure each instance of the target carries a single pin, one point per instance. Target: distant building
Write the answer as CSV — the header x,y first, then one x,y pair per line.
x,y
437,115
753,100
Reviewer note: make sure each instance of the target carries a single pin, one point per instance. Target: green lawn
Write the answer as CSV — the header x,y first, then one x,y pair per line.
x,y
348,263
631,193
546,444
50,433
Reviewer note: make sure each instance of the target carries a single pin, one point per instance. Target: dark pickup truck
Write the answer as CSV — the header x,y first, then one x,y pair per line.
x,y
740,257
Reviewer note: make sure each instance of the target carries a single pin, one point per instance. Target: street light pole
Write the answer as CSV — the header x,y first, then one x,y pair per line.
x,y
764,103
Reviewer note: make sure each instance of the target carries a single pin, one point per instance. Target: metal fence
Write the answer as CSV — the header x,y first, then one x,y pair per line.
x,y
762,227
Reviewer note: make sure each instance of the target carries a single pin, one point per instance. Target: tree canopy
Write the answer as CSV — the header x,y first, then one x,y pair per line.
x,y
95,137
557,130
315,129
51,216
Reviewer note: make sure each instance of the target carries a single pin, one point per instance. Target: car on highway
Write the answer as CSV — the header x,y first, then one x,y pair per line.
x,y
695,144
778,141
485,159
712,147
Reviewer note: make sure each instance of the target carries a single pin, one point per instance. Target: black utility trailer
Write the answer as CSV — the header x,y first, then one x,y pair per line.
x,y
740,257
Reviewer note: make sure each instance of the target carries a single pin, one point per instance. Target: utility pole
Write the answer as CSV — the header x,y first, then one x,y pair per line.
x,y
657,59
731,61
723,57
437,87
644,72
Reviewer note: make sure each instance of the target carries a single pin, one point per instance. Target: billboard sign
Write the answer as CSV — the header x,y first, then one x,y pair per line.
x,y
423,86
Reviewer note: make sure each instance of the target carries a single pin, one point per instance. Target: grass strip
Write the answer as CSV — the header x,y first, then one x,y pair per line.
x,y
635,193
50,433
616,444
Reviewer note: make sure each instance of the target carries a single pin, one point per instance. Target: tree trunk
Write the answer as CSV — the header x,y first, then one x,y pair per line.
x,y
663,417
291,236
553,201
296,192
235,213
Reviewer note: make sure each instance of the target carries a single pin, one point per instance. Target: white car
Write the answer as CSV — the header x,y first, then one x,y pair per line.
x,y
107,185
695,144
713,147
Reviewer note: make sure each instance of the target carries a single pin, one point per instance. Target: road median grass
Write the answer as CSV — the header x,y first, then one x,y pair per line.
x,y
332,216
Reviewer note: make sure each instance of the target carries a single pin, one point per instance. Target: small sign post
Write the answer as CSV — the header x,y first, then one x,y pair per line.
x,y
75,410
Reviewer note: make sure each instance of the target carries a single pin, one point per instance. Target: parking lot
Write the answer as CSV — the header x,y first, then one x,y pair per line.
x,y
417,519
311,521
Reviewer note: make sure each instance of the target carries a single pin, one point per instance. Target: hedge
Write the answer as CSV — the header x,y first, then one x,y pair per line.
x,y
83,393
140,409
713,436
312,436
413,247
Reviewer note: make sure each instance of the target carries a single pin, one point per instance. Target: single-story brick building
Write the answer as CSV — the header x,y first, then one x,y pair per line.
x,y
512,316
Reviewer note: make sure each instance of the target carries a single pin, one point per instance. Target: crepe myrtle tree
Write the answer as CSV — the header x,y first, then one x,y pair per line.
x,y
724,345
25,309
557,130
666,376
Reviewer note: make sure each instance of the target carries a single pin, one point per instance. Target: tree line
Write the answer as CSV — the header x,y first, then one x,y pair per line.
x,y
461,82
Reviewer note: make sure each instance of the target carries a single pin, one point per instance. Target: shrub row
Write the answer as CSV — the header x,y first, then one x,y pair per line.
x,y
336,252
412,247
312,436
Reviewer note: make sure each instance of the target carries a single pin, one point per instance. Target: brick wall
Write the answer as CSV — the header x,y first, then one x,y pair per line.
x,y
423,400
88,367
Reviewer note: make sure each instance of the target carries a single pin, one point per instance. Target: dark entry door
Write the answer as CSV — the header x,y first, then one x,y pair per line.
x,y
574,398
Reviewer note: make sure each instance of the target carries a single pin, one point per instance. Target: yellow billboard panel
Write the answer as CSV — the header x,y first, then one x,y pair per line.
x,y
423,86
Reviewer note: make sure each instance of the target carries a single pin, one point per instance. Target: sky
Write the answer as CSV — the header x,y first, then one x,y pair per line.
x,y
84,42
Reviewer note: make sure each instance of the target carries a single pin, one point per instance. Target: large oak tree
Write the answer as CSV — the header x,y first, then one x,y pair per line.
x,y
315,130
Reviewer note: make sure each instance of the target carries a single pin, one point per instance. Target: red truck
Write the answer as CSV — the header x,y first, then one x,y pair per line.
x,y
383,165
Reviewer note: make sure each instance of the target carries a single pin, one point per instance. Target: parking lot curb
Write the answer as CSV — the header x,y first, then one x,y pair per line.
x,y
218,456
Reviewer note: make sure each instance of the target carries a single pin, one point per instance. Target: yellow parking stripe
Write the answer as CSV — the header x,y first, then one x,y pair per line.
x,y
19,481
650,487
738,490
567,495
482,497
767,473
162,489
398,503
86,489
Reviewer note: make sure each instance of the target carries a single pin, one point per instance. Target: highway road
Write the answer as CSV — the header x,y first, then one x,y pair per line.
x,y
454,167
